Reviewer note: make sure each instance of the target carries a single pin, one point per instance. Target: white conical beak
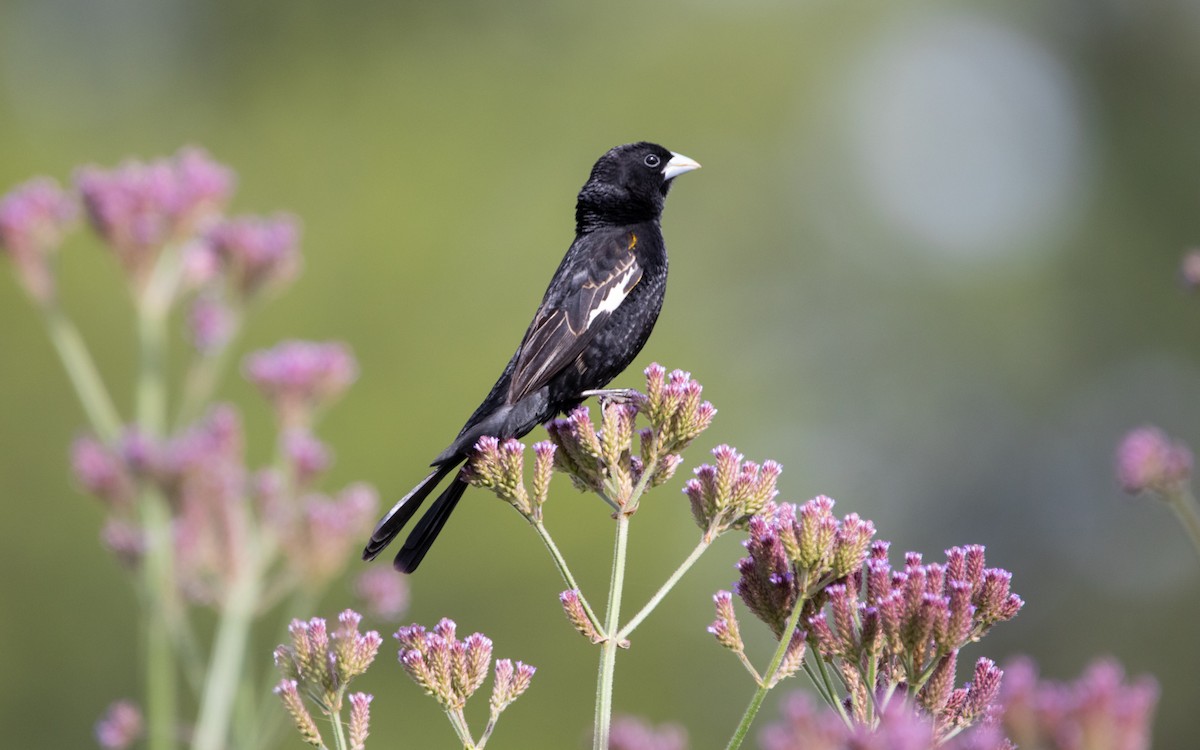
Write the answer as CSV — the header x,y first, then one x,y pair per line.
x,y
678,165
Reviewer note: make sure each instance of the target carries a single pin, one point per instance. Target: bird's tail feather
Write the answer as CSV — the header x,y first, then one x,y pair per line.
x,y
421,538
400,514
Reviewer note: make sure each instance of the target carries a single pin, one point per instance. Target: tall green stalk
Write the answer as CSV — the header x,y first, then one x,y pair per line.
x,y
158,579
608,649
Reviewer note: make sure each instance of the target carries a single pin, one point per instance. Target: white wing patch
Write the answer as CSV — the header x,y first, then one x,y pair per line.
x,y
615,297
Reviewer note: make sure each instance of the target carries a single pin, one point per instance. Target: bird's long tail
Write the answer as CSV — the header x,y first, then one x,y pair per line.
x,y
425,532
400,514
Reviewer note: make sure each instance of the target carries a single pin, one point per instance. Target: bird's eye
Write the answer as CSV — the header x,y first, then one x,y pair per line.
x,y
651,160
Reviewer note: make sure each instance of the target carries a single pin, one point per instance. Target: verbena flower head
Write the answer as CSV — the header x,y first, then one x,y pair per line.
x,y
210,324
140,207
300,377
360,719
446,668
572,605
202,471
1149,461
34,217
633,733
511,680
603,460
794,551
120,726
101,472
384,593
318,533
1189,269
322,663
805,726
1099,711
257,254
500,467
725,494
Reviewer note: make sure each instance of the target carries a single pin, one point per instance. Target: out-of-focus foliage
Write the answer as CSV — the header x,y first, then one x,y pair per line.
x,y
929,265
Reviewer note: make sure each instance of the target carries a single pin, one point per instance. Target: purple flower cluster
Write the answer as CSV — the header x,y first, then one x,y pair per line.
x,y
794,553
603,460
911,624
805,726
1149,461
319,665
33,219
632,733
120,726
500,467
451,670
385,593
1099,711
138,208
300,377
217,503
256,253
724,495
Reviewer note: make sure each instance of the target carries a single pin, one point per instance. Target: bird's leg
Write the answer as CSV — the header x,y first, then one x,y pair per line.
x,y
613,395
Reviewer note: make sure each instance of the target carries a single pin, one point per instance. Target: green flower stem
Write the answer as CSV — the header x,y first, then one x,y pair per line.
x,y
82,372
565,572
608,649
1184,505
157,583
815,678
665,589
459,722
204,374
150,399
831,690
769,677
339,731
158,578
487,731
228,655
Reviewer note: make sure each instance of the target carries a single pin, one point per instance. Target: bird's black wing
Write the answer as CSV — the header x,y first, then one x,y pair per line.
x,y
580,299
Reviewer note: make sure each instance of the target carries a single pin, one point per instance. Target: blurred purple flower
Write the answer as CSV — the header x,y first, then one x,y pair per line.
x,y
384,592
805,726
633,733
257,253
120,726
1189,269
140,207
318,540
298,377
203,473
1148,460
125,540
307,455
101,472
210,324
33,218
1099,711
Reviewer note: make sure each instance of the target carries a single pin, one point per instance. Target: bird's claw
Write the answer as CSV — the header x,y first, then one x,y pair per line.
x,y
613,395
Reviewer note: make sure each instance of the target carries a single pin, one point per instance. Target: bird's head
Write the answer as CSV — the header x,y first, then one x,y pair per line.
x,y
630,182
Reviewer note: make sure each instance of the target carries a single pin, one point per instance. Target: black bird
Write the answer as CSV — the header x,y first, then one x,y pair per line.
x,y
596,315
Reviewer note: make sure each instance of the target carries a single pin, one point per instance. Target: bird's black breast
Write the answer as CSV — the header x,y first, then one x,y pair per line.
x,y
621,338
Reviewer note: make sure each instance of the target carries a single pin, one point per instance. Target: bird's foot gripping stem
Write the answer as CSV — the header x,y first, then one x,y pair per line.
x,y
613,395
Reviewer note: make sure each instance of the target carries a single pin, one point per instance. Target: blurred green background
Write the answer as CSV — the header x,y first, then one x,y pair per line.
x,y
929,266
